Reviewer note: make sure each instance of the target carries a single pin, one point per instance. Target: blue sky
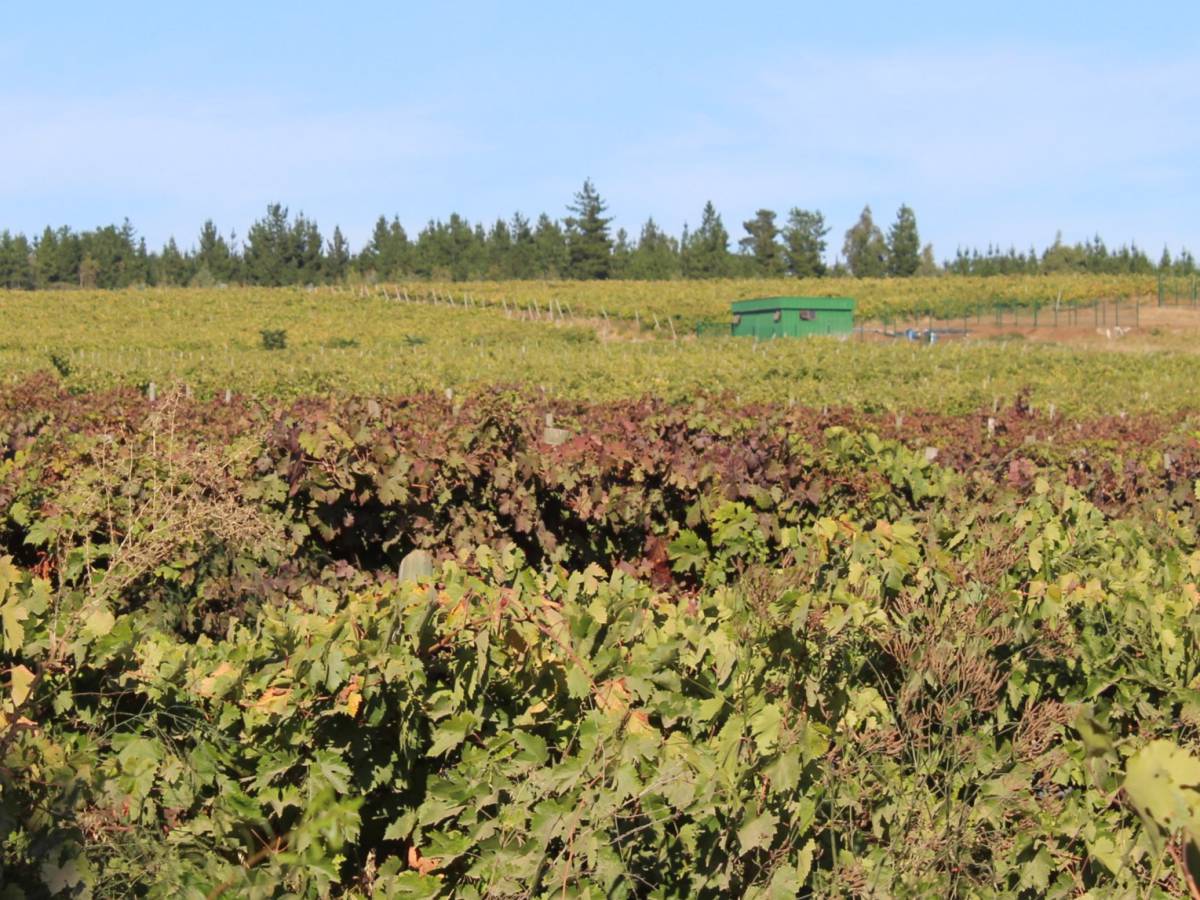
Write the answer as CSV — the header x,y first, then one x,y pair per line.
x,y
996,122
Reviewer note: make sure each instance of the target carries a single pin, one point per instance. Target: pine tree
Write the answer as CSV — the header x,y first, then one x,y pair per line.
x,y
499,250
16,262
550,248
337,260
707,249
389,253
622,255
270,249
804,243
467,248
523,256
431,252
214,259
46,259
173,267
929,267
656,256
904,244
761,244
589,246
864,248
308,251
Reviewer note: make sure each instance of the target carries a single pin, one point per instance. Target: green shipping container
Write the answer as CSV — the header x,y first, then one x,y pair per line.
x,y
768,317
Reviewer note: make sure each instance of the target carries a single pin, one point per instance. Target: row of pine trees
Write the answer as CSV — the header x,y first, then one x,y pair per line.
x,y
281,249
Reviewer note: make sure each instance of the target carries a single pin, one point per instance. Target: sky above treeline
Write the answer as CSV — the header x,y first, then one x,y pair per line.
x,y
998,123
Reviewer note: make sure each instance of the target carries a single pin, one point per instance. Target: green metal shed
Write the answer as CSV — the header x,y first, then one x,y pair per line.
x,y
767,317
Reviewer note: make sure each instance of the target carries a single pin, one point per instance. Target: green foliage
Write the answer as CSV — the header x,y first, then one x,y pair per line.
x,y
904,245
274,338
804,243
761,244
210,341
865,250
705,252
689,652
589,247
62,365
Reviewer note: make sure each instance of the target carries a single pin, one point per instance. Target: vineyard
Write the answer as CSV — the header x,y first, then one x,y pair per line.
x,y
689,302
211,342
318,594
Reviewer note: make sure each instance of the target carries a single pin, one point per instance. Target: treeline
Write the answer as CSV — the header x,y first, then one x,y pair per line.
x,y
1092,256
281,249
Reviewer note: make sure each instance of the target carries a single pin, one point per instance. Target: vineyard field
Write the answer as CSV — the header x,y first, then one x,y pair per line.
x,y
323,594
690,302
211,341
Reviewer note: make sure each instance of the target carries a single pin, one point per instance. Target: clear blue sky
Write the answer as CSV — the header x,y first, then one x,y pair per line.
x,y
999,122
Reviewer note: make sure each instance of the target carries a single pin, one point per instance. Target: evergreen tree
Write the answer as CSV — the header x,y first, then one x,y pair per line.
x,y
656,256
551,256
904,244
523,256
706,251
864,248
451,250
622,254
16,262
368,258
928,266
270,250
214,258
308,251
337,260
499,250
173,266
804,243
589,246
761,244
115,260
57,255
388,254
467,249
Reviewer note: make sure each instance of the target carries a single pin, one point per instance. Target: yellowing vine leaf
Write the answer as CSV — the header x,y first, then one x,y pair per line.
x,y
20,679
273,702
1161,781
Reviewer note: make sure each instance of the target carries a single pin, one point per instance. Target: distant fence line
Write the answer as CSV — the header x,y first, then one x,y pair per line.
x,y
1102,312
997,312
